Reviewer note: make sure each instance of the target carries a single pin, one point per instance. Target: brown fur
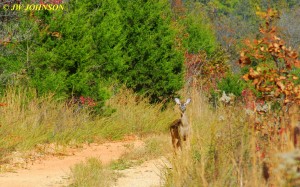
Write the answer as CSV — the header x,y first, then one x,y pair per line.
x,y
296,136
265,171
293,114
174,129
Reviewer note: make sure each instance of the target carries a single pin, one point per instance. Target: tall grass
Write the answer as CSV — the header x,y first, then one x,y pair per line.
x,y
226,149
135,115
223,149
91,173
28,120
220,153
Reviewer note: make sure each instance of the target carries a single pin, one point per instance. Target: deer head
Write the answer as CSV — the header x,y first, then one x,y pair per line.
x,y
182,106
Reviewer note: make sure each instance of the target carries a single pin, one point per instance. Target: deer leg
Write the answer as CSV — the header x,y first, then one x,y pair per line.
x,y
296,136
179,145
174,142
174,130
173,136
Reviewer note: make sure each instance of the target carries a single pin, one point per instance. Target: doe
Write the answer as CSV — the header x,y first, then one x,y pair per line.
x,y
180,128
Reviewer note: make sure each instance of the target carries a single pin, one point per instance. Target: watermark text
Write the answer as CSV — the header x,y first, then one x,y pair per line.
x,y
33,7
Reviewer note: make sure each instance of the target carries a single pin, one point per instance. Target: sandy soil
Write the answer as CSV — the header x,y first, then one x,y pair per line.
x,y
149,174
54,171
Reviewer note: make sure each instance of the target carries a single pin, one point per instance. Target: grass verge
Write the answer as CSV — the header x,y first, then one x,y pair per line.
x,y
27,121
155,146
92,174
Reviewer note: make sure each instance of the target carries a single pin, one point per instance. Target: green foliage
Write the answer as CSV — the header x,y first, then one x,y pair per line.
x,y
92,45
224,6
49,81
85,55
201,36
232,83
153,66
15,54
296,72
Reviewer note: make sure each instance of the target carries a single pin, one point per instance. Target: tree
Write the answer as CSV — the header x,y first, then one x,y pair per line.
x,y
91,45
17,40
200,33
80,50
273,66
153,65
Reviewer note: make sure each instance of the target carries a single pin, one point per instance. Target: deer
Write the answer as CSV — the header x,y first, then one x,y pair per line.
x,y
180,128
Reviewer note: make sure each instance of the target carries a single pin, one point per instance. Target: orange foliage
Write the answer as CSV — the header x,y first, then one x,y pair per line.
x,y
3,104
273,81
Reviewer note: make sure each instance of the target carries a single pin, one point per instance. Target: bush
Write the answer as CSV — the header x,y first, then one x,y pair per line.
x,y
82,51
232,83
153,65
201,36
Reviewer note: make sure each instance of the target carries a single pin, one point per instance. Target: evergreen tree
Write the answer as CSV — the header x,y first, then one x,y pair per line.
x,y
81,49
153,65
93,44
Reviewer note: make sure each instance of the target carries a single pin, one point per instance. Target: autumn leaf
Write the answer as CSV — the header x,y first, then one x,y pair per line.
x,y
246,77
276,45
253,74
293,55
295,78
282,78
287,101
297,63
280,85
287,93
255,81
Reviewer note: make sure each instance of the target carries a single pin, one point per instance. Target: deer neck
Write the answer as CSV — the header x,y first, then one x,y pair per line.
x,y
184,119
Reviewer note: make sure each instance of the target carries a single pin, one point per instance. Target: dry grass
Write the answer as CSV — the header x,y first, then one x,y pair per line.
x,y
92,174
220,153
223,147
27,121
226,151
155,147
134,115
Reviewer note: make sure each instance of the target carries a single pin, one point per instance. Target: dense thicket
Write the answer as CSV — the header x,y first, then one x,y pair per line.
x,y
93,46
153,64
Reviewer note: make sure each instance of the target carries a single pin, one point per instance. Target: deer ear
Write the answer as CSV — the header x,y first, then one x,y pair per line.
x,y
177,101
188,101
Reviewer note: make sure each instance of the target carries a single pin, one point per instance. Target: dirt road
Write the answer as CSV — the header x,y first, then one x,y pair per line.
x,y
54,171
149,174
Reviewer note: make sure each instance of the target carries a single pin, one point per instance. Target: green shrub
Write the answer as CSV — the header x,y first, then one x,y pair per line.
x,y
153,65
201,36
88,47
232,83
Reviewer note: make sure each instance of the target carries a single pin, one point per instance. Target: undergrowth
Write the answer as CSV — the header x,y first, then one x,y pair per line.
x,y
223,147
28,120
91,173
226,150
